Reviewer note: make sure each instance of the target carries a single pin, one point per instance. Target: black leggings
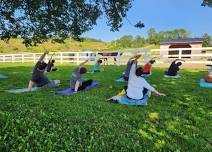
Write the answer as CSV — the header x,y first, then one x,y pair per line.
x,y
85,84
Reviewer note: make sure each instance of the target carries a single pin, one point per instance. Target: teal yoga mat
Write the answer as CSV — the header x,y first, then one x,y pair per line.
x,y
21,90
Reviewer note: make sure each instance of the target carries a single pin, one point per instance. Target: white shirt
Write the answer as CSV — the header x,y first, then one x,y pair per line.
x,y
136,85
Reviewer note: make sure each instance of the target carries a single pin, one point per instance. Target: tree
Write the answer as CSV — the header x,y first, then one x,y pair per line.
x,y
152,34
125,41
206,40
37,20
207,3
138,41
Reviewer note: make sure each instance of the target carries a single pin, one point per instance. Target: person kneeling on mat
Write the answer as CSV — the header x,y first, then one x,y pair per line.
x,y
174,68
97,66
129,64
148,67
39,79
208,78
137,85
50,66
77,83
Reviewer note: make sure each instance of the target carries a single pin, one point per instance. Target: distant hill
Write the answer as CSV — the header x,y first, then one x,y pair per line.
x,y
16,45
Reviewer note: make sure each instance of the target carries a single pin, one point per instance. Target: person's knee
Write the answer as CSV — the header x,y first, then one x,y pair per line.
x,y
57,82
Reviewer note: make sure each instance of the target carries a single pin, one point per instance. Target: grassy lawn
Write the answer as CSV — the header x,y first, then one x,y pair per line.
x,y
44,121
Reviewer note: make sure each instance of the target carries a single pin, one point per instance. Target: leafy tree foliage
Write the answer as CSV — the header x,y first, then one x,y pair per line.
x,y
152,36
138,41
207,40
155,38
37,20
207,3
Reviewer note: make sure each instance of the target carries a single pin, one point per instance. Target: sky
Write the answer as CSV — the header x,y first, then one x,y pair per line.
x,y
161,15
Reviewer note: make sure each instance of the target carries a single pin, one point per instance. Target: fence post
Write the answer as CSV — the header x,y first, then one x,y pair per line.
x,y
180,54
61,58
97,56
118,56
78,58
46,59
3,58
22,58
13,58
145,56
34,58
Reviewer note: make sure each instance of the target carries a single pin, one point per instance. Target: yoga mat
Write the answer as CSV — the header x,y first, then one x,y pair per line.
x,y
21,90
121,80
205,84
69,91
3,76
146,75
132,102
168,76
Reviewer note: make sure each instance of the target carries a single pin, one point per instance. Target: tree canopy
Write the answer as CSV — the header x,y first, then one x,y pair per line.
x,y
207,3
38,20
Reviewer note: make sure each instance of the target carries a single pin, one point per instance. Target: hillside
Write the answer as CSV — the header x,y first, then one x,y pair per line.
x,y
16,45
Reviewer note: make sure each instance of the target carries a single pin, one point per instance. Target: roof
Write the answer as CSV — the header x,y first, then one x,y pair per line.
x,y
185,40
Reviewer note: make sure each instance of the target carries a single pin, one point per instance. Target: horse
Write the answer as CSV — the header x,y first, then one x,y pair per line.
x,y
109,54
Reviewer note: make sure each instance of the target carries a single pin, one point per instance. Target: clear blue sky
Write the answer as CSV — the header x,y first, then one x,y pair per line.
x,y
161,15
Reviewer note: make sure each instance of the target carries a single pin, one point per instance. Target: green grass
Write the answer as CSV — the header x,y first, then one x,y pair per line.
x,y
43,121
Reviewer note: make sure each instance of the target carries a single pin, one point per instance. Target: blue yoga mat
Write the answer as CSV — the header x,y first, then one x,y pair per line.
x,y
132,102
22,90
205,84
69,91
3,76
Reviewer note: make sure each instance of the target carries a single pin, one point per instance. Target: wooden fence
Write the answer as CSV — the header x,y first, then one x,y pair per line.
x,y
197,55
75,57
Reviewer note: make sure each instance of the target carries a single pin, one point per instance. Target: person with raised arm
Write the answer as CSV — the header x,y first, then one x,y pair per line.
x,y
128,67
77,82
39,79
148,67
208,77
174,68
137,85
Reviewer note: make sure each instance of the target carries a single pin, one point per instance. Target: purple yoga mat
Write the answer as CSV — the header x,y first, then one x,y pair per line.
x,y
69,91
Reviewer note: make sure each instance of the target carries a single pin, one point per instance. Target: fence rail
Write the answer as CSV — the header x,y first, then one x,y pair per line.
x,y
197,55
120,58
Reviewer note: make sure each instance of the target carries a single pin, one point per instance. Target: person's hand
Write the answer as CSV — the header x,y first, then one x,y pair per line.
x,y
138,56
46,52
161,94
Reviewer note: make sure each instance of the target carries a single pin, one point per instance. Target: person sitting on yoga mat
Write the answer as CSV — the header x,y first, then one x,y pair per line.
x,y
77,82
148,67
128,67
39,79
208,77
50,66
97,66
174,68
137,85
